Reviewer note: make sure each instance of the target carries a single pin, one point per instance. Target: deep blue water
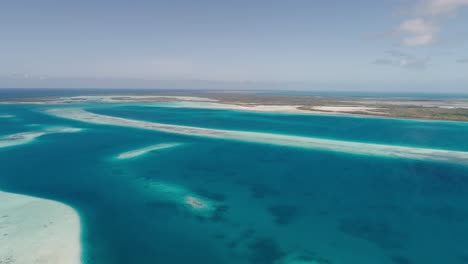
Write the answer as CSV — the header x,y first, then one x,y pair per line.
x,y
13,93
277,201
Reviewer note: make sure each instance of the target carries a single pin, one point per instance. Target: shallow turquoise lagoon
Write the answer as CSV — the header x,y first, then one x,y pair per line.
x,y
254,203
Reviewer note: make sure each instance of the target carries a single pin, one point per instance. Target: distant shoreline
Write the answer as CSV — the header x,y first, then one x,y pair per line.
x,y
424,109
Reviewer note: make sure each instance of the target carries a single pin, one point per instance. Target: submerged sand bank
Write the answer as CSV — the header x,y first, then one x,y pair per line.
x,y
38,231
276,139
27,137
184,198
142,151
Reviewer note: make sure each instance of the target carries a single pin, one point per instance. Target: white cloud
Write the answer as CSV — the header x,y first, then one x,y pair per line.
x,y
384,62
414,63
424,26
417,32
440,7
403,60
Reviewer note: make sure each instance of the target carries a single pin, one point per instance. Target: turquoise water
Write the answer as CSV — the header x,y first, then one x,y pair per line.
x,y
273,203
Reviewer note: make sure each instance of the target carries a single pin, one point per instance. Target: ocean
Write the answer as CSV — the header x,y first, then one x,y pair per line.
x,y
252,202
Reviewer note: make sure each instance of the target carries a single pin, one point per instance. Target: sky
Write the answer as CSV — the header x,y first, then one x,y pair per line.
x,y
385,45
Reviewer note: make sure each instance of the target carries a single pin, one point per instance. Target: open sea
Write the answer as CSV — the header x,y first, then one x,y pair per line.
x,y
273,204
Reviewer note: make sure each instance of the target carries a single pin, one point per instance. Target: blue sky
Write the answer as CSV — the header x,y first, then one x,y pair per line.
x,y
387,45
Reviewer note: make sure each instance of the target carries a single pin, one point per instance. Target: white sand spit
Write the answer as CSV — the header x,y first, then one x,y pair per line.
x,y
239,107
142,151
27,137
347,109
276,139
38,231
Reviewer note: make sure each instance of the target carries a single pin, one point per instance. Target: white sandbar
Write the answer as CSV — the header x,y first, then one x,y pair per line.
x,y
291,109
142,151
280,109
276,139
38,231
348,109
27,137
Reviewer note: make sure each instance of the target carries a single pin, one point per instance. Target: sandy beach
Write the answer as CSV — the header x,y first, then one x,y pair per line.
x,y
287,109
38,231
348,109
241,107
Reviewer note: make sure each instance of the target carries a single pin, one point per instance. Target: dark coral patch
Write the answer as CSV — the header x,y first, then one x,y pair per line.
x,y
283,214
247,234
219,214
378,232
211,195
265,251
161,205
401,260
261,190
